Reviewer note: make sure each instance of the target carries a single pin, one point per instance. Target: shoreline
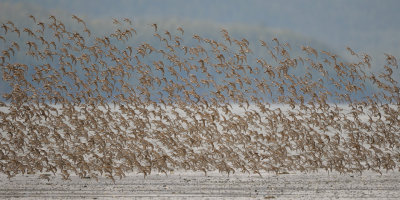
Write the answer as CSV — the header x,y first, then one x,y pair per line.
x,y
195,185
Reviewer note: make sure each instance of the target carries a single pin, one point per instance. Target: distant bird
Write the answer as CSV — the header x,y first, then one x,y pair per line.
x,y
106,106
155,27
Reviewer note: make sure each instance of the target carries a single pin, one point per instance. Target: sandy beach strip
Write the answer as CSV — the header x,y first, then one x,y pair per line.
x,y
196,185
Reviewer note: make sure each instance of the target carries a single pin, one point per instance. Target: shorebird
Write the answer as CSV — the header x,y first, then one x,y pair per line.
x,y
168,120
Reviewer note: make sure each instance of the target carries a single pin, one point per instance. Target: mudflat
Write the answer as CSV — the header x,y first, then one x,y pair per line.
x,y
214,185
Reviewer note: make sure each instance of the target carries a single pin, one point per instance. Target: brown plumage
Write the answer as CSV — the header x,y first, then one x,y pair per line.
x,y
104,110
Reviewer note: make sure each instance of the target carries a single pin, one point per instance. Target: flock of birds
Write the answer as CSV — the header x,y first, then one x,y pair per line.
x,y
100,106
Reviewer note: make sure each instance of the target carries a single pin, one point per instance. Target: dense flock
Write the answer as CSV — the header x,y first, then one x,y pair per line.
x,y
82,103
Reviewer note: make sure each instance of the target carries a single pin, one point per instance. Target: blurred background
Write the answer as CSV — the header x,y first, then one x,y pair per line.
x,y
368,26
365,25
